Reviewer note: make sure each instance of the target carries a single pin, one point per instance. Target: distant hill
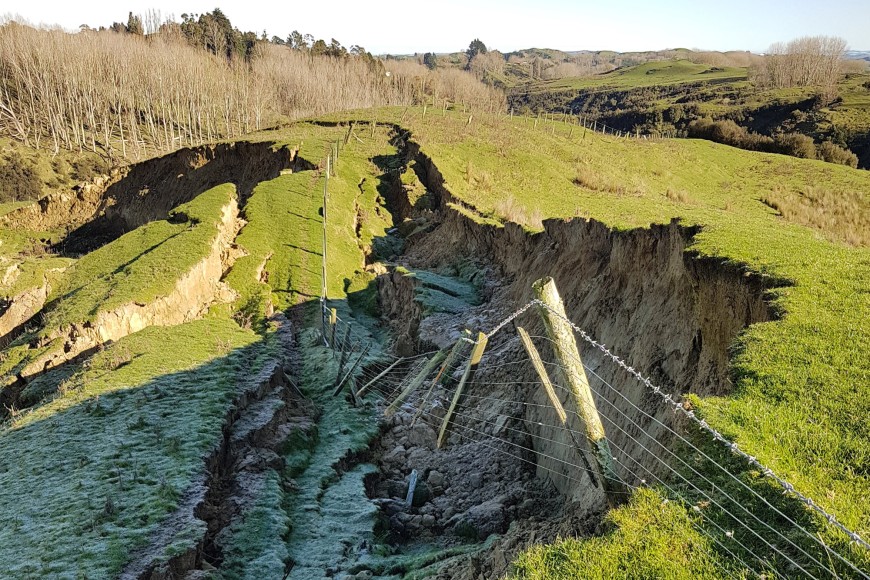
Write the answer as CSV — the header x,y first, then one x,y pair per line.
x,y
858,55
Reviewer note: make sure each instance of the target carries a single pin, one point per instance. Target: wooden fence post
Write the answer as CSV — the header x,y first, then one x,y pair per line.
x,y
349,373
565,348
554,399
323,286
473,361
381,375
444,374
416,382
343,358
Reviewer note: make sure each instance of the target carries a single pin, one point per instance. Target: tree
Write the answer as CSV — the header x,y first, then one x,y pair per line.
x,y
803,62
319,47
476,47
134,24
336,49
297,41
430,60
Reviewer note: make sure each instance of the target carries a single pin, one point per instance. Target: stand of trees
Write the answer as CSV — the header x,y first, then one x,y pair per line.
x,y
129,95
803,62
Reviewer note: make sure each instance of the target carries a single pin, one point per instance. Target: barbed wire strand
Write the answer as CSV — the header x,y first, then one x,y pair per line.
x,y
723,469
668,398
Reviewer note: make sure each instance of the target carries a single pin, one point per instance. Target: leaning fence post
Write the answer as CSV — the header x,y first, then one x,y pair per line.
x,y
444,374
381,375
535,357
552,312
473,361
416,382
348,375
343,358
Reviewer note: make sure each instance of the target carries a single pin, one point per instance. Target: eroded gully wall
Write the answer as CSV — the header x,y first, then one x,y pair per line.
x,y
670,314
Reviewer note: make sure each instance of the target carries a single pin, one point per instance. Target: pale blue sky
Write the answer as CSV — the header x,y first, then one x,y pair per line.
x,y
386,26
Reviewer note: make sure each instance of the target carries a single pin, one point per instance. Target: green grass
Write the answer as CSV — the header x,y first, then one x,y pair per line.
x,y
139,267
285,222
800,398
34,272
12,206
649,538
646,75
87,476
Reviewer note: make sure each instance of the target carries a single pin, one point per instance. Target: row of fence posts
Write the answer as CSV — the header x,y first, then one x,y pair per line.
x,y
442,362
584,121
331,161
591,124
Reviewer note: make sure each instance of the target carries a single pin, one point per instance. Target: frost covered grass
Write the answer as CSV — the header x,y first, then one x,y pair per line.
x,y
88,475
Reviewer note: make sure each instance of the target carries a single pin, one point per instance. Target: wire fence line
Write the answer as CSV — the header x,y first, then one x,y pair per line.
x,y
688,413
729,521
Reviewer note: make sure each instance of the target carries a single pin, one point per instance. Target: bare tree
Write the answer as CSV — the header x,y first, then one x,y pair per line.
x,y
803,62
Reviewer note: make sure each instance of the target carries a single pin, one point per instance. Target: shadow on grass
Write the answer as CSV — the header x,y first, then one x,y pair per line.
x,y
87,477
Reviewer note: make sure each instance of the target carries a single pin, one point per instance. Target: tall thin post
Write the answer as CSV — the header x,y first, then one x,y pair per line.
x,y
333,322
323,245
381,375
473,361
429,366
345,342
565,348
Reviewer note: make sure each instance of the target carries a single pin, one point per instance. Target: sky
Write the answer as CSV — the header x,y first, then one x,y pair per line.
x,y
391,27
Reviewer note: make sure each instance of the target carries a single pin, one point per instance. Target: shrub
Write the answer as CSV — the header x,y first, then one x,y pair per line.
x,y
18,180
833,153
87,168
796,145
729,133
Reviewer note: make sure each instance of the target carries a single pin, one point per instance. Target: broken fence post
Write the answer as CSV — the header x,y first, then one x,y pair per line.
x,y
473,361
565,348
416,382
381,375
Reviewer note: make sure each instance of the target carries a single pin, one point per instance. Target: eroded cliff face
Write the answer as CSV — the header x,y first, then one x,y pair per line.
x,y
668,312
96,213
21,308
193,294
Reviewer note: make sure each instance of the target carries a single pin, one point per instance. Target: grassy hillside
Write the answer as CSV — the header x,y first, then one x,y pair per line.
x,y
799,402
283,236
84,500
668,95
648,74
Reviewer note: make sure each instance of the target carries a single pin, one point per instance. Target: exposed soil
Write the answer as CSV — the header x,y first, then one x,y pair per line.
x,y
505,478
506,469
96,213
